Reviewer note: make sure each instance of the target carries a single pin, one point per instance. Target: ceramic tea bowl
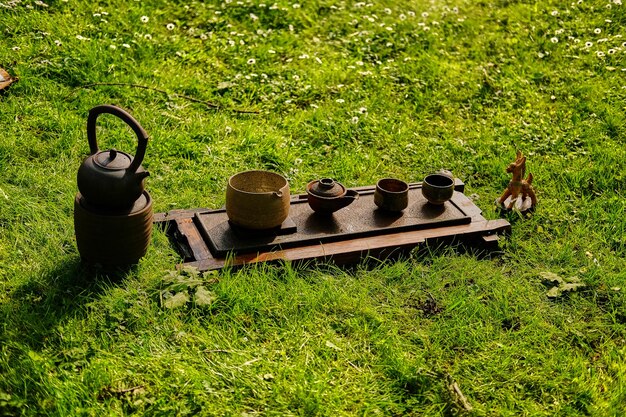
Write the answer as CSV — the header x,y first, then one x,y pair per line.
x,y
257,200
438,188
391,195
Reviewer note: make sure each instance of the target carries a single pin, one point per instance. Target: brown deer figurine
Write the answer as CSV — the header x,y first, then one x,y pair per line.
x,y
518,185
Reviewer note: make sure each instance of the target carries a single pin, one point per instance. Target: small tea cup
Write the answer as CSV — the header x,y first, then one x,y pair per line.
x,y
438,188
391,195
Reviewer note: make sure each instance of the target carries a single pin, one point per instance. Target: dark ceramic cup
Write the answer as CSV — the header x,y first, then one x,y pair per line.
x,y
391,195
438,188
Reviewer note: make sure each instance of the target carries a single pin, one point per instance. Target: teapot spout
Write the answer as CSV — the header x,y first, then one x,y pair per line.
x,y
141,175
350,197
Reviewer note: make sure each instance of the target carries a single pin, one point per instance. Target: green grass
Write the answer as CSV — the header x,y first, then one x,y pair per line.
x,y
356,91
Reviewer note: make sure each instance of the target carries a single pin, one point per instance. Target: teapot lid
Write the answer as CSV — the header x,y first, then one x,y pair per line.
x,y
327,187
113,160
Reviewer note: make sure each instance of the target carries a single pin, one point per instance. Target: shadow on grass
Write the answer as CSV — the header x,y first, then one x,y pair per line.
x,y
434,248
33,315
456,247
37,307
427,388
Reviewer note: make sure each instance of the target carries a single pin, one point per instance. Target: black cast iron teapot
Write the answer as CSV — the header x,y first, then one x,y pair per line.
x,y
112,179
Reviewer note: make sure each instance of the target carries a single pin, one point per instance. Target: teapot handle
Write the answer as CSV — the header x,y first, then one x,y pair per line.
x,y
142,136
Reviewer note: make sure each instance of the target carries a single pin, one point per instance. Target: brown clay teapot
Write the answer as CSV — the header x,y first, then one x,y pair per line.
x,y
326,196
112,179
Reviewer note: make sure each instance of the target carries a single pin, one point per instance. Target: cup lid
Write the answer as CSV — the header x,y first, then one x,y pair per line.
x,y
326,187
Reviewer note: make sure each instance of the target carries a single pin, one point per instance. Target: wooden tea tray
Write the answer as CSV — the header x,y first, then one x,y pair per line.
x,y
207,241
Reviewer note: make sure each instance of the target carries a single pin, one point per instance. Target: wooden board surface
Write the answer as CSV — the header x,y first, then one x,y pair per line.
x,y
360,219
186,235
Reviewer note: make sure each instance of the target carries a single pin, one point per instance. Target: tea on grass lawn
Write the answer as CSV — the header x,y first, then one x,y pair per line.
x,y
354,91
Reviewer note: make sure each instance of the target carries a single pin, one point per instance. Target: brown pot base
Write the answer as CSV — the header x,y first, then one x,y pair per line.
x,y
114,237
